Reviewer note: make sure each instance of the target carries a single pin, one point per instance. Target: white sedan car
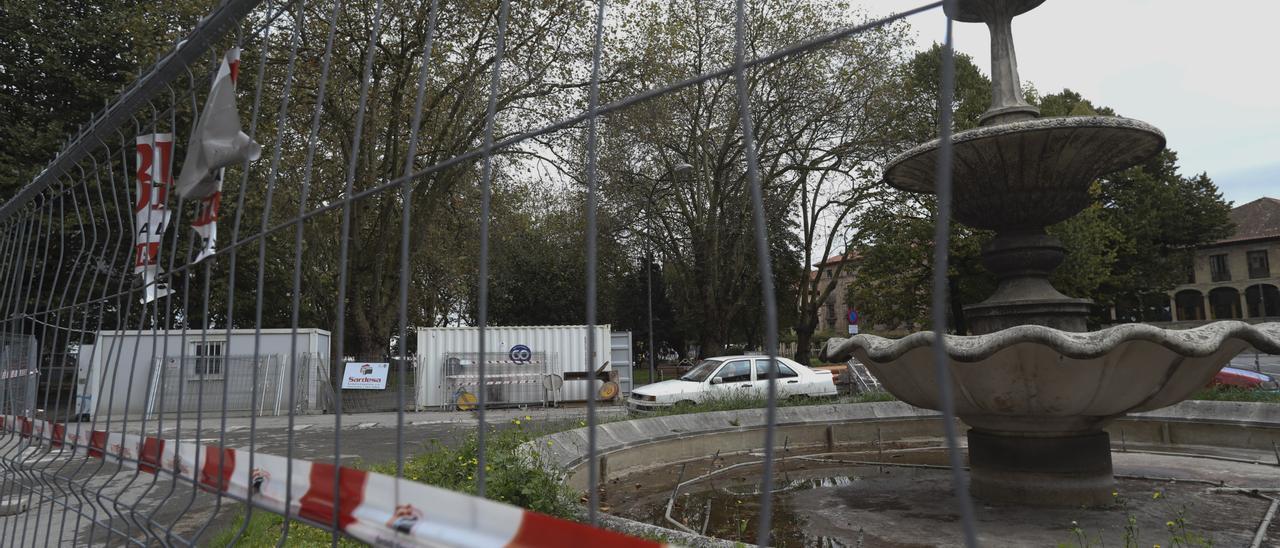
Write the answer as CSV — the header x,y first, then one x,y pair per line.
x,y
732,377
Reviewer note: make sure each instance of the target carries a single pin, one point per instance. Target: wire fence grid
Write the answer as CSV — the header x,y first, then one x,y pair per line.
x,y
126,441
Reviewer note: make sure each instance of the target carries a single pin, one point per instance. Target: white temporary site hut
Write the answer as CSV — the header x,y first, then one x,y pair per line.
x,y
154,371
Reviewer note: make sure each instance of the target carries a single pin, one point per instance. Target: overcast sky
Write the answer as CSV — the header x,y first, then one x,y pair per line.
x,y
1206,73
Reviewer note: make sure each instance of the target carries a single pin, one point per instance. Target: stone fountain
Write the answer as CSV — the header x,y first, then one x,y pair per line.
x,y
1035,389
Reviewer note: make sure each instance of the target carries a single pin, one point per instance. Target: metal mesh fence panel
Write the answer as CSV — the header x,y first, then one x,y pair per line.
x,y
267,185
18,364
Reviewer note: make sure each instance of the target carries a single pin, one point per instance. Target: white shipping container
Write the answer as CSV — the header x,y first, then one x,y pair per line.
x,y
564,348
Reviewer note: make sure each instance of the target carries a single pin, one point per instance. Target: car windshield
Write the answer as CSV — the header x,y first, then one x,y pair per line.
x,y
702,371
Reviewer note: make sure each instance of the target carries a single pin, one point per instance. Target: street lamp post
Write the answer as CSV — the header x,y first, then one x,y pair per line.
x,y
649,275
679,169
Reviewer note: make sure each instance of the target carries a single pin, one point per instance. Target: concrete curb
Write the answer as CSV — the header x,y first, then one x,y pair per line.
x,y
1236,412
567,450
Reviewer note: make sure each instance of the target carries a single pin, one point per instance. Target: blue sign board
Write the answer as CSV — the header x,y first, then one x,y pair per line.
x,y
520,353
853,316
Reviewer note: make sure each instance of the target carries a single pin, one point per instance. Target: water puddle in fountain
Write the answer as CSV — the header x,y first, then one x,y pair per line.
x,y
726,504
753,489
847,500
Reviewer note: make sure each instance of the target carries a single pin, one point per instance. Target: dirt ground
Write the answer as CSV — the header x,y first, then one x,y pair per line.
x,y
826,504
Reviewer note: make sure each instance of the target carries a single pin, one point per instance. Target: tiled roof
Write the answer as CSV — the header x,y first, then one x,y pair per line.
x,y
1255,220
836,259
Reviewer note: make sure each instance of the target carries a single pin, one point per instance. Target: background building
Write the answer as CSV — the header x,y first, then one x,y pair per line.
x,y
833,314
1236,277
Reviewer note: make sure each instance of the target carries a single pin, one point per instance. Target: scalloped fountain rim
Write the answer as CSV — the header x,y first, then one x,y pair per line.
x,y
1195,342
1038,124
1025,126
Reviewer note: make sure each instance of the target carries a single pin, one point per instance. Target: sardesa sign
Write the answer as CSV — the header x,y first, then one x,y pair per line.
x,y
365,376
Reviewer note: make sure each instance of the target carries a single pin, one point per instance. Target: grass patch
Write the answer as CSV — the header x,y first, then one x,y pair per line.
x,y
510,477
264,532
1237,394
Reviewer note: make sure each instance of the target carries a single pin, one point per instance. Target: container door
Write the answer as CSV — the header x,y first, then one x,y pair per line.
x,y
620,357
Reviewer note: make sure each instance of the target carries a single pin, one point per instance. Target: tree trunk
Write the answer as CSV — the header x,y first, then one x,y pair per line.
x,y
712,343
958,324
804,338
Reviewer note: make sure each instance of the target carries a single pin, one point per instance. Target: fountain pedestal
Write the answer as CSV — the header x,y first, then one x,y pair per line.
x,y
1022,261
1043,470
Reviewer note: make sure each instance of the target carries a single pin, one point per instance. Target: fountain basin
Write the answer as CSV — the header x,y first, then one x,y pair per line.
x,y
641,461
1028,174
1031,378
1037,399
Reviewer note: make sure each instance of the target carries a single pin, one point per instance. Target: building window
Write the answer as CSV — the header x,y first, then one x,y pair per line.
x,y
1259,267
827,273
209,358
1191,273
1218,270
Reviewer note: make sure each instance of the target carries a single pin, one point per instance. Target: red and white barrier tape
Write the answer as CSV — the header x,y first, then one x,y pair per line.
x,y
426,515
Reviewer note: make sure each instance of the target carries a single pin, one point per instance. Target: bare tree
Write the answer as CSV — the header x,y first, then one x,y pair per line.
x,y
821,124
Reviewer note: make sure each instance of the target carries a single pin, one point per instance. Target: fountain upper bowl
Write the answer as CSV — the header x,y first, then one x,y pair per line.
x,y
1029,173
977,11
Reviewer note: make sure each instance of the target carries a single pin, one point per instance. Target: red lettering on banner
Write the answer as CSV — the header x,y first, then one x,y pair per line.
x,y
146,254
146,161
25,426
318,503
208,210
150,192
156,195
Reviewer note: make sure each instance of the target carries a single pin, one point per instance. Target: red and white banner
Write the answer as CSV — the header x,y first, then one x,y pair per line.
x,y
364,502
206,223
216,142
151,211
